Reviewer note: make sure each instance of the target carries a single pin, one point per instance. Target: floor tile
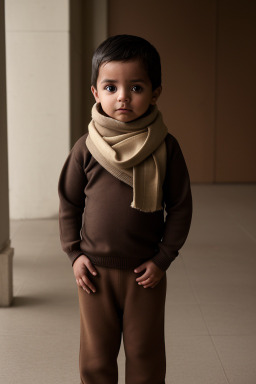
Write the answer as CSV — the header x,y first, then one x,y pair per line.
x,y
238,356
231,319
31,359
178,285
193,360
41,315
184,319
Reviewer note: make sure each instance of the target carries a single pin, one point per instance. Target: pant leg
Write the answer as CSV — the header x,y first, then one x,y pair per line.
x,y
101,327
143,332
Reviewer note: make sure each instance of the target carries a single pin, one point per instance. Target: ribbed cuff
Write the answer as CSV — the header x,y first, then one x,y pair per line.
x,y
163,261
74,255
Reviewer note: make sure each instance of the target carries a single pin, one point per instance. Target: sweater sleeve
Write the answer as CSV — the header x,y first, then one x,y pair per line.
x,y
71,187
178,205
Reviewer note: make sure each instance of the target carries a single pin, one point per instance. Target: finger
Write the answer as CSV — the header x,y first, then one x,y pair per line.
x,y
91,267
145,276
140,268
146,281
88,283
82,285
149,285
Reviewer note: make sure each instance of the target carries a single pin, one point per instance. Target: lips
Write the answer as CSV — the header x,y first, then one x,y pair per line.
x,y
124,110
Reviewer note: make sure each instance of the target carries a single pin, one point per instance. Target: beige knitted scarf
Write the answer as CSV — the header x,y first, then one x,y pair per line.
x,y
133,152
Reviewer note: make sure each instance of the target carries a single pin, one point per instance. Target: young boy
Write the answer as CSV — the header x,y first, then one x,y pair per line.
x,y
114,188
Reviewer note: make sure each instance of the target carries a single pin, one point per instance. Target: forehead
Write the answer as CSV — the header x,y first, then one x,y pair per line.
x,y
123,70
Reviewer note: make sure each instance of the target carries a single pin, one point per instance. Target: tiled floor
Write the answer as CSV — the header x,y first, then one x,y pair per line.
x,y
210,308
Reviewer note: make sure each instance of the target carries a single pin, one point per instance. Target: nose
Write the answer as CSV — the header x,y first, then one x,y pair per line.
x,y
123,95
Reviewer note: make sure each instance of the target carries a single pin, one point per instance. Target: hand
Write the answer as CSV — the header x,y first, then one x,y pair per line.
x,y
152,275
81,267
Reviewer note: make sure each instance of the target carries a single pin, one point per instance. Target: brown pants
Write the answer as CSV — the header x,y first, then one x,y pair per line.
x,y
121,306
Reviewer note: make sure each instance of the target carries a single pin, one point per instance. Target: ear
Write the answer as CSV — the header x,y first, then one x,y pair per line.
x,y
156,94
95,94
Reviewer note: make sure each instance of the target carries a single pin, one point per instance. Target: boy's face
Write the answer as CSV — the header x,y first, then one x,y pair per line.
x,y
124,90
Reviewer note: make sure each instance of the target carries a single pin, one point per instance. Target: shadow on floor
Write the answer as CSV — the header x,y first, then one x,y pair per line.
x,y
29,301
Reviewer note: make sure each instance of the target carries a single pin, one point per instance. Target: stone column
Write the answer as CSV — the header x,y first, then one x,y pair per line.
x,y
6,252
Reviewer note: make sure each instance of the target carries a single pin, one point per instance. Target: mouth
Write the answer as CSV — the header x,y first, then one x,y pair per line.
x,y
124,110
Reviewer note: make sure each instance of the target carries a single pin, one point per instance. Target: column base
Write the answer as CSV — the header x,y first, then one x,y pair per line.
x,y
6,284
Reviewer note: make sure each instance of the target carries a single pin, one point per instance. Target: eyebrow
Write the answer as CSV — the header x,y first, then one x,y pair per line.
x,y
138,81
108,81
115,81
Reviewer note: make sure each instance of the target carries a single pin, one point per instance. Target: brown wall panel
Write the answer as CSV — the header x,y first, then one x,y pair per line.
x,y
184,34
236,85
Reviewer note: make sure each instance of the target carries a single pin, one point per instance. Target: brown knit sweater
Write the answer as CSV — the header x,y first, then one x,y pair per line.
x,y
96,218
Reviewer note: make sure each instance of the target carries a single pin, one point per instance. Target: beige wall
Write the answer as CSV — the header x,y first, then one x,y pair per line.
x,y
37,53
208,64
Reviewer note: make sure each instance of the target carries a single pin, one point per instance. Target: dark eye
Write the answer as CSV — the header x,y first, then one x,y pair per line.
x,y
110,88
136,88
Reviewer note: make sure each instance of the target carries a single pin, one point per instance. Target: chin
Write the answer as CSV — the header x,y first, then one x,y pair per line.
x,y
124,120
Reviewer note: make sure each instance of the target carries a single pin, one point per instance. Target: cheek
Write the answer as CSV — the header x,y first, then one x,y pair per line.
x,y
106,101
144,102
